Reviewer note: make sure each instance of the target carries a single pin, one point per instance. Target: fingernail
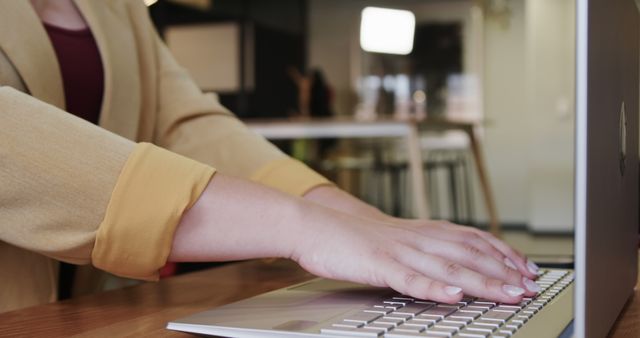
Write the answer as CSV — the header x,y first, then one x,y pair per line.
x,y
532,267
512,290
452,290
508,262
530,285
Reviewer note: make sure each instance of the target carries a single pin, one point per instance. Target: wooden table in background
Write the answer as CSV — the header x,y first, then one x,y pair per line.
x,y
318,128
144,310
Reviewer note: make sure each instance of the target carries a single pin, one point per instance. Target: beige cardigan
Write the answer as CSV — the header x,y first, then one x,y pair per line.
x,y
79,193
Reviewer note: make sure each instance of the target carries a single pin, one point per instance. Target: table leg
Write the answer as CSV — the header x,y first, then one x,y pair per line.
x,y
494,224
419,186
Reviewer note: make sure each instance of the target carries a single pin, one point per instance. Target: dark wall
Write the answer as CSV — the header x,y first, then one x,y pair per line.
x,y
275,94
437,53
278,28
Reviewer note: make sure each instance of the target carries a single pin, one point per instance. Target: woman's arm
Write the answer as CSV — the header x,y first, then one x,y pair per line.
x,y
236,219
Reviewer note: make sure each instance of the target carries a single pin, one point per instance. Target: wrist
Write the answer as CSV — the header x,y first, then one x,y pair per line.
x,y
292,225
337,199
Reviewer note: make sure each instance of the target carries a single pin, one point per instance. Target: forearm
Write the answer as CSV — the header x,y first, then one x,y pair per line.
x,y
236,219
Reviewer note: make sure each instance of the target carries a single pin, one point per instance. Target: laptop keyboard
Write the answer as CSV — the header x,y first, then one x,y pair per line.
x,y
406,317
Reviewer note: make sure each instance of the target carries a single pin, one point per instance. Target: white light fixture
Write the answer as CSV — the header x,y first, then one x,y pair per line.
x,y
389,31
150,2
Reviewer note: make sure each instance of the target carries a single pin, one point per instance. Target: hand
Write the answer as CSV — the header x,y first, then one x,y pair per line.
x,y
480,239
423,259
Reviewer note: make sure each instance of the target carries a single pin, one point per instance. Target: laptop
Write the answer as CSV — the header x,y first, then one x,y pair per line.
x,y
582,303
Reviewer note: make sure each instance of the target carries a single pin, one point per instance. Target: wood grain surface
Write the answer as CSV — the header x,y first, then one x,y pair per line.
x,y
145,309
628,323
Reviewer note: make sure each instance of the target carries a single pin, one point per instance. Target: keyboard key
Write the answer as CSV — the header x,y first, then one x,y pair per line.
x,y
380,326
363,317
382,310
392,320
404,298
402,302
418,323
452,323
481,305
465,314
524,303
444,331
484,322
459,319
512,325
408,328
352,325
508,308
352,332
507,331
533,309
472,310
413,309
398,334
389,306
480,328
497,316
480,309
517,323
472,334
439,311
527,313
402,316
425,318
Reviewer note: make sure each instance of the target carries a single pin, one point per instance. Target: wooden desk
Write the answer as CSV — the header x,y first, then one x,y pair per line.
x,y
317,128
628,323
144,310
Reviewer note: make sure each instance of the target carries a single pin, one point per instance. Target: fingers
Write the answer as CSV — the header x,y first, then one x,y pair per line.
x,y
524,265
456,233
475,259
488,244
414,284
452,273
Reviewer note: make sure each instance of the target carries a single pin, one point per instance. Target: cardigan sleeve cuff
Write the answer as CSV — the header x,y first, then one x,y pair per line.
x,y
153,190
290,176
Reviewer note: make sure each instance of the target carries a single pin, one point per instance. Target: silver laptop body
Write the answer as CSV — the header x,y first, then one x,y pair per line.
x,y
606,216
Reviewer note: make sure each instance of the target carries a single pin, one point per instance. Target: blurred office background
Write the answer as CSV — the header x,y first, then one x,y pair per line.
x,y
506,64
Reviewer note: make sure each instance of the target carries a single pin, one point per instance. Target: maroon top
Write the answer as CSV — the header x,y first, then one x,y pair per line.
x,y
81,68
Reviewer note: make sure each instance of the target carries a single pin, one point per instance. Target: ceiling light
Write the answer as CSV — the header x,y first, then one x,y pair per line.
x,y
384,30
